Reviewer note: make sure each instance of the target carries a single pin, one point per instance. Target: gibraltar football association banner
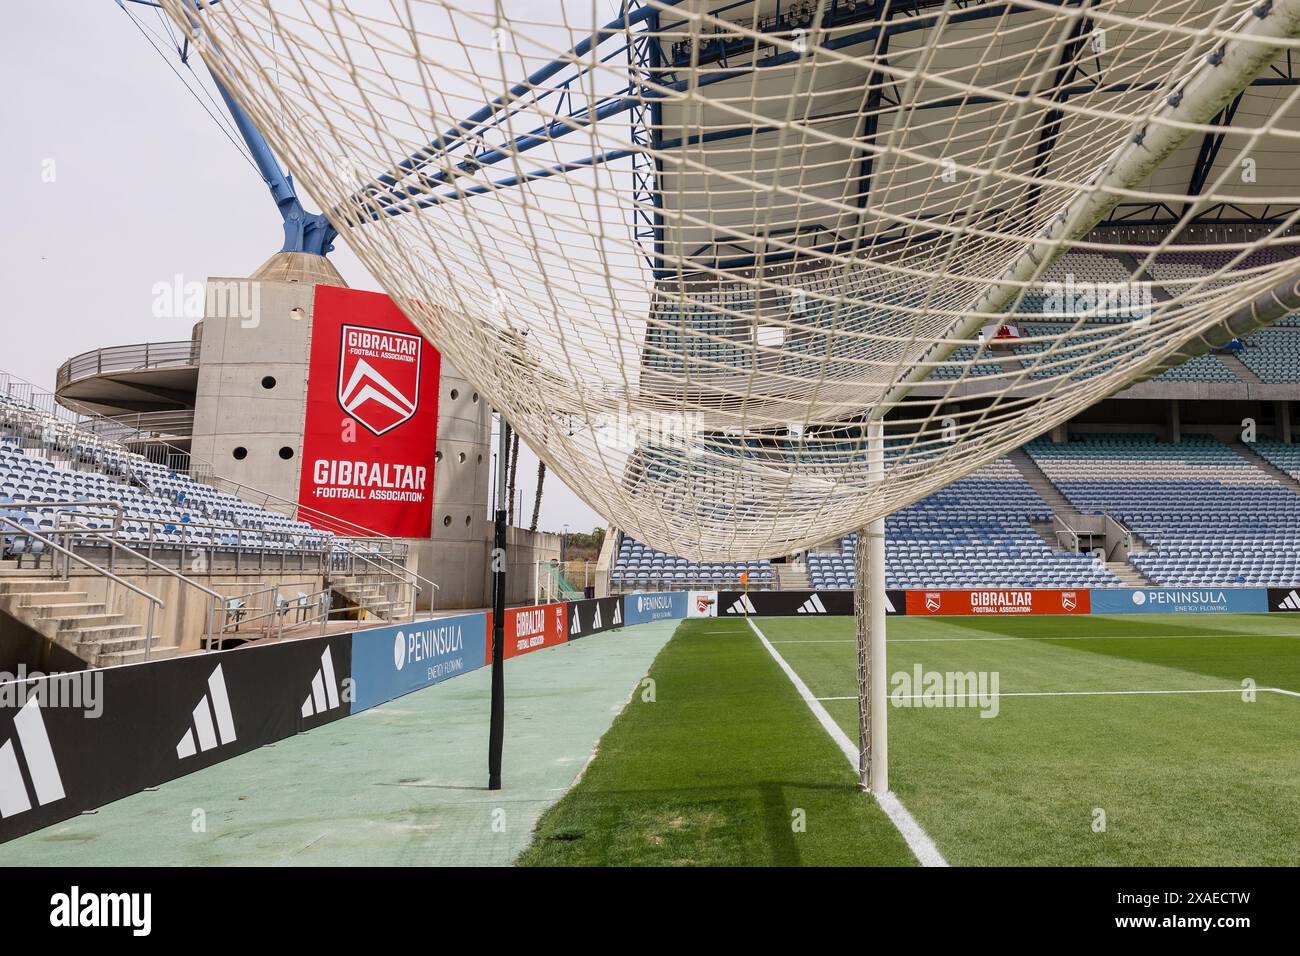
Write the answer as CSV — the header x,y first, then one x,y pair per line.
x,y
372,417
998,601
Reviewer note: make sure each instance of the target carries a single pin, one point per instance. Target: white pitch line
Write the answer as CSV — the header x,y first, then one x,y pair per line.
x,y
918,841
1090,637
1089,693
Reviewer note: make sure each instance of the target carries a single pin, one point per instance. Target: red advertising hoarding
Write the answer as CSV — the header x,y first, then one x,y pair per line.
x,y
372,418
998,601
530,629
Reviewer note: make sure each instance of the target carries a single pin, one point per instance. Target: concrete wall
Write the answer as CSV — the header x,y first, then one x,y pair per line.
x,y
183,621
252,388
235,409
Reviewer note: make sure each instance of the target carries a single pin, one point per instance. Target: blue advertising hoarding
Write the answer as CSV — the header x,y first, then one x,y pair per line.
x,y
1179,600
388,662
654,606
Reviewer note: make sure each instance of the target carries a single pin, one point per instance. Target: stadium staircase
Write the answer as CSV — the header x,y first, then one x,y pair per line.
x,y
1060,506
1131,576
378,593
1264,465
792,576
1070,516
1239,368
65,617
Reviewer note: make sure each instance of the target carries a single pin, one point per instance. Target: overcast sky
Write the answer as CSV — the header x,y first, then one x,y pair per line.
x,y
145,186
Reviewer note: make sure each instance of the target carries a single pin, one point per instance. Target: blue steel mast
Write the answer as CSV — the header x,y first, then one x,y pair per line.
x,y
304,231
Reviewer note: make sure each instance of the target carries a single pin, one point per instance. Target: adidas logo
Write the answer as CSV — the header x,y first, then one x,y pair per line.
x,y
595,620
889,606
813,605
203,715
1290,603
39,756
618,614
742,605
576,626
324,689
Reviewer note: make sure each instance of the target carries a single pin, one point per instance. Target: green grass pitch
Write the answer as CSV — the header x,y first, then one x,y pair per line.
x,y
1116,741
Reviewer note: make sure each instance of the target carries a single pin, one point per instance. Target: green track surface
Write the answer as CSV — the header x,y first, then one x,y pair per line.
x,y
1183,779
402,784
717,770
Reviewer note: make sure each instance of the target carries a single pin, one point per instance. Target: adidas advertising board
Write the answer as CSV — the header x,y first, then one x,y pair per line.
x,y
798,603
154,722
1181,600
372,403
388,662
1284,599
593,616
644,607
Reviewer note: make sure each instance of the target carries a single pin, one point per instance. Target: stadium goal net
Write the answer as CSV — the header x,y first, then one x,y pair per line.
x,y
749,275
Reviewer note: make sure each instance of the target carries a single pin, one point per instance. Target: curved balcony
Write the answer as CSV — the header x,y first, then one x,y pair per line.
x,y
129,379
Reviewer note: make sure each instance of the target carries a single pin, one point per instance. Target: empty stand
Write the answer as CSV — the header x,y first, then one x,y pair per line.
x,y
1210,517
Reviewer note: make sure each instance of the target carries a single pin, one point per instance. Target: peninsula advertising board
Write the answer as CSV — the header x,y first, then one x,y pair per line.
x,y
388,662
1179,600
642,608
372,417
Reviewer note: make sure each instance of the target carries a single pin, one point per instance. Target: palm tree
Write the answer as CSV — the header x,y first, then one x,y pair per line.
x,y
510,483
537,502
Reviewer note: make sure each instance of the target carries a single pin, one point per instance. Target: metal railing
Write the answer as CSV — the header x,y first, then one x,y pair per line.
x,y
72,532
89,440
155,602
126,358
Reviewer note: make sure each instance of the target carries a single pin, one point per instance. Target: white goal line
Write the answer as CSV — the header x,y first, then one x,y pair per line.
x,y
918,841
1085,637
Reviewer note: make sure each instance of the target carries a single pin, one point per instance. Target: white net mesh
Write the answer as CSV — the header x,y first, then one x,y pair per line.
x,y
692,249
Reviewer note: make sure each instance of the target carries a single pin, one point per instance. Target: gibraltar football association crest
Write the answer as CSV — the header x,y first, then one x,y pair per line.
x,y
379,376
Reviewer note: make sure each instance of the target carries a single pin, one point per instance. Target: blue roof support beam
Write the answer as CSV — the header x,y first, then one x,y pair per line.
x,y
624,100
1211,143
304,231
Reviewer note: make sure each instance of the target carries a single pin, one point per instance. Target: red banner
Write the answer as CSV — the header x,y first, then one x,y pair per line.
x,y
372,418
998,601
531,629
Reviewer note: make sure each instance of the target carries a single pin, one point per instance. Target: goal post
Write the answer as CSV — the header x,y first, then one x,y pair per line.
x,y
870,606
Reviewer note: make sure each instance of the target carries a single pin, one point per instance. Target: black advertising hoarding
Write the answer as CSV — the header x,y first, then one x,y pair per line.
x,y
78,741
802,603
1284,599
594,615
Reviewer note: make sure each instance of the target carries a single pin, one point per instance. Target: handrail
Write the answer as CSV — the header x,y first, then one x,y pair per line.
x,y
88,423
177,353
88,532
400,568
58,506
154,600
28,533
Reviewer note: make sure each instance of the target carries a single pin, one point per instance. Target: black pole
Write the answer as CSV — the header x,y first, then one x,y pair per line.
x,y
497,727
